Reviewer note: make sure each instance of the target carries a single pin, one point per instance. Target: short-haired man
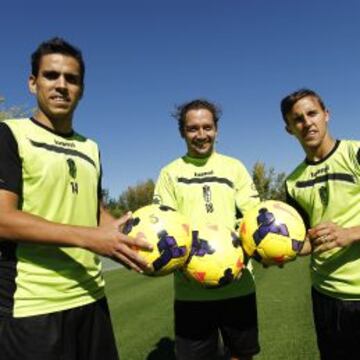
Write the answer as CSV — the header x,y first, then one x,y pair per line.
x,y
209,187
325,188
52,302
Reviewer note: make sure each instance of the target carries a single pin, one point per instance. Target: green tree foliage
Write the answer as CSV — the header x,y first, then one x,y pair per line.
x,y
131,199
18,111
269,184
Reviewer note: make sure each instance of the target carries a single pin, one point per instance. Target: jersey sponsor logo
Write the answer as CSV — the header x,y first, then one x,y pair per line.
x,y
210,179
61,150
323,170
205,173
325,178
64,144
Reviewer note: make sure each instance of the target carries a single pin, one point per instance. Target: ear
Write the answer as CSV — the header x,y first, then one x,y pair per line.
x,y
327,116
32,84
288,130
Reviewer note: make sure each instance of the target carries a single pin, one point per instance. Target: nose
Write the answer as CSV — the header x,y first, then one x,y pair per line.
x,y
61,82
201,133
307,120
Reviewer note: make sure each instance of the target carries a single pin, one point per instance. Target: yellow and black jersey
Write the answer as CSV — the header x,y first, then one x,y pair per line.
x,y
216,190
56,177
329,190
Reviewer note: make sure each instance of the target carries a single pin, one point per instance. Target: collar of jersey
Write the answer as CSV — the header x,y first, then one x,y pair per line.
x,y
197,161
311,162
67,135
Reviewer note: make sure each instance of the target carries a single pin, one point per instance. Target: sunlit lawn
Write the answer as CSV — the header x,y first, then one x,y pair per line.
x,y
142,316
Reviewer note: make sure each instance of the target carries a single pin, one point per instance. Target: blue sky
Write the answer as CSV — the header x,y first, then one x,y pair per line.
x,y
143,57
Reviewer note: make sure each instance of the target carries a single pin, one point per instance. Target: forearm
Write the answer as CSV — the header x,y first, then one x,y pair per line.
x,y
19,226
352,234
105,240
105,216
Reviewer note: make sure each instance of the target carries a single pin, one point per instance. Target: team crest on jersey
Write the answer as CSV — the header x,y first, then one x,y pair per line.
x,y
72,168
207,198
324,195
157,199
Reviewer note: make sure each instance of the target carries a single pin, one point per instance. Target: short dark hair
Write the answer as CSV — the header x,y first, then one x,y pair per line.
x,y
56,45
289,101
197,104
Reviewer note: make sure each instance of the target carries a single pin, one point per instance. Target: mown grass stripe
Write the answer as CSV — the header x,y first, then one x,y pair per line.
x,y
142,315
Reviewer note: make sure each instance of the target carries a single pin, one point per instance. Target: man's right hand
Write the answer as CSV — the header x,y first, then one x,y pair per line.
x,y
112,243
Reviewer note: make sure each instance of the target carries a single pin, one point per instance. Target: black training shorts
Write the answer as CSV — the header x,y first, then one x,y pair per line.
x,y
337,324
199,323
82,333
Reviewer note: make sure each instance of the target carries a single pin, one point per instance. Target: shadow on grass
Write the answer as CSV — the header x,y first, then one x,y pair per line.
x,y
164,350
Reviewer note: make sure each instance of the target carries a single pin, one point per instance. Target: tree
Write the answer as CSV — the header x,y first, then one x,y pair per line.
x,y
269,184
12,112
133,198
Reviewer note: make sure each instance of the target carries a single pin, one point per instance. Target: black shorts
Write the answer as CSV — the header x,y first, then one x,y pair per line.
x,y
198,324
82,333
337,324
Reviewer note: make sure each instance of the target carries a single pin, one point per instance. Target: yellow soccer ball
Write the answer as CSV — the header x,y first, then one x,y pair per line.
x,y
216,257
169,233
272,232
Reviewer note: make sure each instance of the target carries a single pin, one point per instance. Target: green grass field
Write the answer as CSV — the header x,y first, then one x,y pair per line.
x,y
142,316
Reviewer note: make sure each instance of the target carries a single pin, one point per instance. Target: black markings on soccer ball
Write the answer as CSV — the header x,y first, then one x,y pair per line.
x,y
224,280
297,245
168,249
130,224
166,208
227,278
235,240
257,256
200,247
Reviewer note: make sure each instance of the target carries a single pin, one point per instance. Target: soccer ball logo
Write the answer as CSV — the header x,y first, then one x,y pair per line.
x,y
272,233
169,233
216,257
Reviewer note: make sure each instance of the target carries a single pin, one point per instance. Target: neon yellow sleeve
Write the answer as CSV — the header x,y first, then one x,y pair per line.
x,y
246,195
164,192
